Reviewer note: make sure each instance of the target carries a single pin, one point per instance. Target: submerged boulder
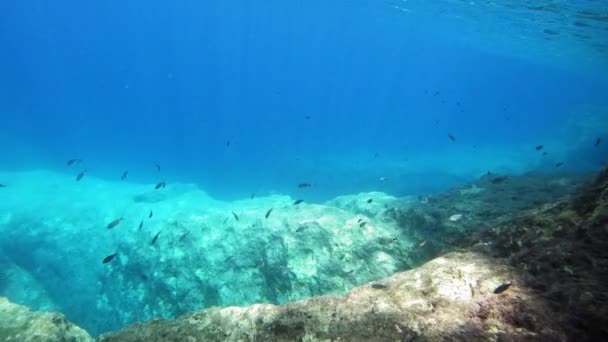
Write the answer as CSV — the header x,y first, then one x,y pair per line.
x,y
19,324
450,298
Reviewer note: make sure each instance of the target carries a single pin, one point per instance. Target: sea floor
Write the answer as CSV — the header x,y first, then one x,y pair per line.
x,y
179,250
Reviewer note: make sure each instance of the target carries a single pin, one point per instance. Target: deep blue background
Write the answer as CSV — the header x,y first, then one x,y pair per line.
x,y
125,85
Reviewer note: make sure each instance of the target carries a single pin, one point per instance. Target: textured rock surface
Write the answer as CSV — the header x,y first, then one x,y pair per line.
x,y
19,324
450,298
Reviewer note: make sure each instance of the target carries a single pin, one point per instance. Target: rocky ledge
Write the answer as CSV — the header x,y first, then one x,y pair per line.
x,y
449,298
19,324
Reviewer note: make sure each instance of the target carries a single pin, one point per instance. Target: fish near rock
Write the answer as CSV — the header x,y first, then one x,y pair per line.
x,y
154,238
160,185
503,287
298,201
236,217
115,223
268,212
109,258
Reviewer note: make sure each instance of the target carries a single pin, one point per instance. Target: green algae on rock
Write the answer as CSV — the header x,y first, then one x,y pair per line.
x,y
19,324
448,299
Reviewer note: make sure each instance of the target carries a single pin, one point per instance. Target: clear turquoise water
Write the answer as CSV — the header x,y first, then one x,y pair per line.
x,y
338,94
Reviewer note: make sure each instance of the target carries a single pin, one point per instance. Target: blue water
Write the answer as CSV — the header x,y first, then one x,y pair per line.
x,y
243,97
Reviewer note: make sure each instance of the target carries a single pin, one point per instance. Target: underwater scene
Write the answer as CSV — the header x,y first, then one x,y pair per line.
x,y
336,170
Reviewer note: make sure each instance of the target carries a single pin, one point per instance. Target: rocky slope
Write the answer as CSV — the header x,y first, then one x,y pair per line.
x,y
448,299
19,324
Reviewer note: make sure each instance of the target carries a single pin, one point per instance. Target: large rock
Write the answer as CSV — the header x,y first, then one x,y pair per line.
x,y
19,324
448,299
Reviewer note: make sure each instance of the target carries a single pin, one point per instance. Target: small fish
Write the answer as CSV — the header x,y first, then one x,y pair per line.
x,y
2,186
225,220
115,223
451,137
362,224
252,195
80,175
268,212
545,153
228,143
502,288
539,147
160,185
307,117
74,161
349,272
298,202
359,220
386,241
499,179
378,286
597,142
157,167
422,243
141,224
302,228
124,175
150,215
236,217
109,258
436,93
455,217
370,200
184,236
155,238
559,164
304,185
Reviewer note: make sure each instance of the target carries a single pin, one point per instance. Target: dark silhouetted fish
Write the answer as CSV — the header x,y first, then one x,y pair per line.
x,y
298,202
559,164
236,217
539,147
115,223
370,200
74,162
184,236
499,179
435,93
124,175
451,137
302,228
362,224
151,214
141,224
597,142
80,175
252,195
268,212
502,288
160,185
378,286
225,220
2,186
157,167
545,153
228,143
359,220
307,117
155,238
304,185
109,258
